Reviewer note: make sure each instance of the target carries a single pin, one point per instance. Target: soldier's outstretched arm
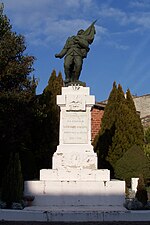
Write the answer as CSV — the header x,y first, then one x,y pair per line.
x,y
63,51
61,54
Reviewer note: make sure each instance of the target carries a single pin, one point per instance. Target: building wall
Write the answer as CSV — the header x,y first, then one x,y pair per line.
x,y
142,104
96,117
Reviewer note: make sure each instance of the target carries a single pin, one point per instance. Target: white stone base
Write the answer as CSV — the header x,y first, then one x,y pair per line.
x,y
76,193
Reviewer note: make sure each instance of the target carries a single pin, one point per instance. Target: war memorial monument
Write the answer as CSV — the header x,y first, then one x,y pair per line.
x,y
75,185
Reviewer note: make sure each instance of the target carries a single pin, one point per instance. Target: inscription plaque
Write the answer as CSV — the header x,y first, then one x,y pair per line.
x,y
75,127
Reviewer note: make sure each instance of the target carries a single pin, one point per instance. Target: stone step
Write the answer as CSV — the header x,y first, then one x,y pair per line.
x,y
75,175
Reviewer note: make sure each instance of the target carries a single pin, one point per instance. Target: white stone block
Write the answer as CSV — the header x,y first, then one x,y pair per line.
x,y
77,193
116,187
74,160
75,175
102,175
61,100
134,183
48,174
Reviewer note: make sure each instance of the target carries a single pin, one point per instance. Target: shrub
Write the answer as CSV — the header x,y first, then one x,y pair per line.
x,y
133,163
141,193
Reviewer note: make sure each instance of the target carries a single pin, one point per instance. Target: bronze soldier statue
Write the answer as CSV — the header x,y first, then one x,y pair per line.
x,y
75,50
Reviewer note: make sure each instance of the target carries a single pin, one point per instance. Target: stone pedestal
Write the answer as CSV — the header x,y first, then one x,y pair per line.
x,y
74,179
75,149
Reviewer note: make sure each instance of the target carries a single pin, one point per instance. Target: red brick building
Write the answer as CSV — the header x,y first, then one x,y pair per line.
x,y
96,117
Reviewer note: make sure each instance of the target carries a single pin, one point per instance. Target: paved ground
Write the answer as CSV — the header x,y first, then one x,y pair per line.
x,y
73,223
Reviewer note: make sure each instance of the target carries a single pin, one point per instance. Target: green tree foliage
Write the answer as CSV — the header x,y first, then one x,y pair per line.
x,y
17,92
147,135
134,121
12,185
121,128
15,66
47,122
133,163
141,193
104,139
147,142
119,140
129,130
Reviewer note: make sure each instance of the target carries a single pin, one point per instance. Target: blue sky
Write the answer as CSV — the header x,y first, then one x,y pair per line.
x,y
120,51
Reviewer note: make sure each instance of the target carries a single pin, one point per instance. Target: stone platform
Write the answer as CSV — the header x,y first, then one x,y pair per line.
x,y
74,214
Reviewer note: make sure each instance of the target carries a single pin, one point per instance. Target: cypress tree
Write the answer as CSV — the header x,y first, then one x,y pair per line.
x,y
134,121
116,149
141,193
51,121
47,124
110,109
104,140
121,128
12,185
147,142
128,130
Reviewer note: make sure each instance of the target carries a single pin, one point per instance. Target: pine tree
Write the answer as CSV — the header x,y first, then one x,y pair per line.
x,y
12,185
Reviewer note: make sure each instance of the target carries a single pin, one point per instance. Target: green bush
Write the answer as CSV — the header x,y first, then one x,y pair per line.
x,y
133,163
